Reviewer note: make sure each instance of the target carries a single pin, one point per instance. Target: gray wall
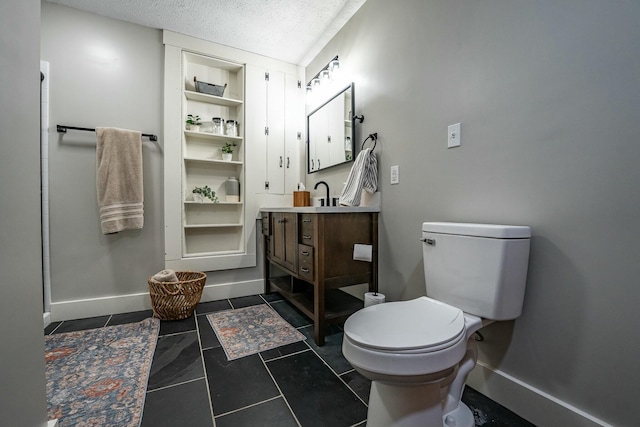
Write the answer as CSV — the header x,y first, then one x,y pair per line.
x,y
548,94
104,72
22,390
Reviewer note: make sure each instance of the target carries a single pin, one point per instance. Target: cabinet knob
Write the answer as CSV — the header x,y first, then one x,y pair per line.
x,y
306,220
305,253
280,161
304,236
304,270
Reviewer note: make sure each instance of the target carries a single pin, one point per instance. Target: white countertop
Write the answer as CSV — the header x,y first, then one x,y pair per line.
x,y
322,209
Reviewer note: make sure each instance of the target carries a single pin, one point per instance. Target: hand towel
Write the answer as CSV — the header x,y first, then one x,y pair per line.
x,y
119,179
165,276
363,175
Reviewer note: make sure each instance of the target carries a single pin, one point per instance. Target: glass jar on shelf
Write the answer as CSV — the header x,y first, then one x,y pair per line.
x,y
232,128
218,125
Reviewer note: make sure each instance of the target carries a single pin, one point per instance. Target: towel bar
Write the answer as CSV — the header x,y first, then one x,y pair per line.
x,y
63,129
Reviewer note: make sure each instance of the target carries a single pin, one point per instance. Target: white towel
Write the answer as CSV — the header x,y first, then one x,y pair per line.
x,y
119,179
363,175
165,276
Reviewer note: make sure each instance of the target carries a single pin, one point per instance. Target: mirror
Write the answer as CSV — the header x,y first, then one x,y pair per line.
x,y
331,132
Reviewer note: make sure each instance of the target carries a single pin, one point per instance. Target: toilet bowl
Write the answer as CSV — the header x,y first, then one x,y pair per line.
x,y
411,351
418,353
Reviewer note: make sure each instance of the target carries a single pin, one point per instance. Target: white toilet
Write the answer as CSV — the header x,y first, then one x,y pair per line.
x,y
418,353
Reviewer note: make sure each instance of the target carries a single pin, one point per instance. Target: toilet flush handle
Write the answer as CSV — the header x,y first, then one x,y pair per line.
x,y
431,242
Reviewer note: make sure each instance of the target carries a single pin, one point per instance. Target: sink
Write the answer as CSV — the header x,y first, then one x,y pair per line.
x,y
323,209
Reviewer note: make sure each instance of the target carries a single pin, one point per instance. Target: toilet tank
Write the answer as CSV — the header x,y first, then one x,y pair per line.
x,y
479,268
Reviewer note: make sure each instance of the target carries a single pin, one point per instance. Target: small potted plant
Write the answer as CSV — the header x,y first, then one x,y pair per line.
x,y
227,151
202,193
193,122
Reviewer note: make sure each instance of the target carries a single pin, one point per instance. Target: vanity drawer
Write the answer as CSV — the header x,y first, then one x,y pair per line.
x,y
305,262
307,229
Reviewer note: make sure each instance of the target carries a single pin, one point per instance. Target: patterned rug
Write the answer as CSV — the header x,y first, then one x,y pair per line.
x,y
98,377
252,329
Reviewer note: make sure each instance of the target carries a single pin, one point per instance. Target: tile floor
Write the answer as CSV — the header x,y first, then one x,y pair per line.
x,y
192,384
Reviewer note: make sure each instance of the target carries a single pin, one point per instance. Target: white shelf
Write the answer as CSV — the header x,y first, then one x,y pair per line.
x,y
213,136
218,161
212,99
190,202
212,225
209,254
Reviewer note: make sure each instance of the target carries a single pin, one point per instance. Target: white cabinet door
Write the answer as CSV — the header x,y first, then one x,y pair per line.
x,y
256,117
276,131
274,118
294,125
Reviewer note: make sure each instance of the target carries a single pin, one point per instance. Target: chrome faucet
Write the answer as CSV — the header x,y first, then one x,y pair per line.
x,y
327,201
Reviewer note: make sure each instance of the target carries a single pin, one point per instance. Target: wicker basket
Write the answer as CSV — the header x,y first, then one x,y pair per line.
x,y
176,300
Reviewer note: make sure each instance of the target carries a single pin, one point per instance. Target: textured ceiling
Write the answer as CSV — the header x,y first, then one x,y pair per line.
x,y
290,30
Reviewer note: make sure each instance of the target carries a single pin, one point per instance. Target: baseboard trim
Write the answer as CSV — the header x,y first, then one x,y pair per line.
x,y
530,403
90,307
52,423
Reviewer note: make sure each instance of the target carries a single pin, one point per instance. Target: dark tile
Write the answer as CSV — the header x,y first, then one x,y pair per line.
x,y
487,413
176,326
237,383
316,396
284,350
177,359
273,296
212,306
359,384
331,351
82,324
246,301
208,338
291,314
133,317
181,405
50,327
273,413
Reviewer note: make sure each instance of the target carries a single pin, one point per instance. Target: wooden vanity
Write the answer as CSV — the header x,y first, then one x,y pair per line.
x,y
308,256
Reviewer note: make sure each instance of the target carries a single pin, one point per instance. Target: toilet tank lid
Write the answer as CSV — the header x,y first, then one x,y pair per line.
x,y
478,230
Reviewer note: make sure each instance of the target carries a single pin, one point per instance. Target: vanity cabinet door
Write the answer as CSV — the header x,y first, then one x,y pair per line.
x,y
284,239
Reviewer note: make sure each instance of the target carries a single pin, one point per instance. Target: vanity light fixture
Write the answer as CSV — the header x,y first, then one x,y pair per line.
x,y
324,75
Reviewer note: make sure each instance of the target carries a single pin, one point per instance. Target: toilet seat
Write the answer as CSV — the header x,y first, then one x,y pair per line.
x,y
421,325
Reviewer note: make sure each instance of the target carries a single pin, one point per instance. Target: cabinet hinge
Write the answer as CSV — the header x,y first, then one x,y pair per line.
x,y
266,185
299,84
299,136
266,76
266,130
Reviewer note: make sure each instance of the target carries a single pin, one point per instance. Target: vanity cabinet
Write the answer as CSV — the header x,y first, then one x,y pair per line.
x,y
309,256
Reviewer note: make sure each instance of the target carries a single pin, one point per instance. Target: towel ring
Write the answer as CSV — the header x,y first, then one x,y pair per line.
x,y
374,138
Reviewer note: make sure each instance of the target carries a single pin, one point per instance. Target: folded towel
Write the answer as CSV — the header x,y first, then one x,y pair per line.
x,y
363,175
165,276
119,179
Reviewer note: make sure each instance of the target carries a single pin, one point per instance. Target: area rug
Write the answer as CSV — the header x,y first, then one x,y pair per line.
x,y
250,330
98,377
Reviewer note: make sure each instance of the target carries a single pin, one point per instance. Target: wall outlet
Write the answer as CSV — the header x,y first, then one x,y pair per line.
x,y
395,174
454,136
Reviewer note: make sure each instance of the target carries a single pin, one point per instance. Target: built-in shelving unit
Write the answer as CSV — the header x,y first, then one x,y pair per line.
x,y
210,229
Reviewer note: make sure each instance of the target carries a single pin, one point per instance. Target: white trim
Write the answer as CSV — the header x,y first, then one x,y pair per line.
x,y
52,423
530,403
90,307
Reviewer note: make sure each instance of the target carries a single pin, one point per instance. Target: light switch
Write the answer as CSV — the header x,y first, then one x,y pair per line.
x,y
395,174
454,137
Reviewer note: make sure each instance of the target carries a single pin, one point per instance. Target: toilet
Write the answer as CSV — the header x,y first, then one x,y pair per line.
x,y
418,353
